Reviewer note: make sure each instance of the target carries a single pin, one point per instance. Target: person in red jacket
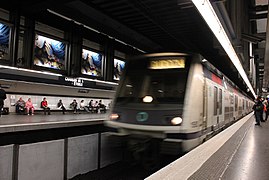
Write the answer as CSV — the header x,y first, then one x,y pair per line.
x,y
44,105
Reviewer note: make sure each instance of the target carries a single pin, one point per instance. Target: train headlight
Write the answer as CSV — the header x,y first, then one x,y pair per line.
x,y
176,120
148,99
114,116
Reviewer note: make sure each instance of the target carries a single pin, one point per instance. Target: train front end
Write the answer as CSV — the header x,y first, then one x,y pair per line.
x,y
150,98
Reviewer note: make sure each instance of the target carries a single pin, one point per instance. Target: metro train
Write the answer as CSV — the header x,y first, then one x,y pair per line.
x,y
179,99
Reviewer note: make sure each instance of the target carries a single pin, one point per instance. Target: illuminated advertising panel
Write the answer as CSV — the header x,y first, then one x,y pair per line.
x,y
118,68
91,63
49,53
4,41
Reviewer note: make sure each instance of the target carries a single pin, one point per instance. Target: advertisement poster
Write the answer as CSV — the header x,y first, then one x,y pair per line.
x,y
118,68
4,41
91,63
49,53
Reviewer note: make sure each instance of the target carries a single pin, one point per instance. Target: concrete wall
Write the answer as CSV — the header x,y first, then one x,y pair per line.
x,y
110,152
6,158
42,161
58,159
82,155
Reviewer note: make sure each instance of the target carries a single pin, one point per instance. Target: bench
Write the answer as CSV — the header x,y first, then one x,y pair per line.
x,y
53,101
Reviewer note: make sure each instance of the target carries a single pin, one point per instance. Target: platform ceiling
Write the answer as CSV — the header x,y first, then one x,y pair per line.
x,y
150,25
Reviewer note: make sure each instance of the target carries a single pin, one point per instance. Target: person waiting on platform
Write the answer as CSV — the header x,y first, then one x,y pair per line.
x,y
60,105
101,106
91,103
258,110
44,105
96,107
74,106
83,107
266,104
3,96
29,106
20,106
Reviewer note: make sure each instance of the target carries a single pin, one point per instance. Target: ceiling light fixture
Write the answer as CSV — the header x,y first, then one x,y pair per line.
x,y
207,12
29,70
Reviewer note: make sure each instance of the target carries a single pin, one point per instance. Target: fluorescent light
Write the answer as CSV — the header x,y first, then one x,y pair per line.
x,y
209,15
29,70
98,81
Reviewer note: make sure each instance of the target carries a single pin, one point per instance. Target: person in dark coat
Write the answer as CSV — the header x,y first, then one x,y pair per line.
x,y
60,105
3,96
258,110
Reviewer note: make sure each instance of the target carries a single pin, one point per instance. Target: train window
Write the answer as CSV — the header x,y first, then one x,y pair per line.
x,y
220,101
243,104
215,100
165,85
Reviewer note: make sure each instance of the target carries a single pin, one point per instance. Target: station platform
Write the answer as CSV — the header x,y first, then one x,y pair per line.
x,y
239,152
15,123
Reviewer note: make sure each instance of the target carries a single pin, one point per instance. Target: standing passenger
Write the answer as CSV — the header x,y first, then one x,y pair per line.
x,y
266,103
258,110
3,96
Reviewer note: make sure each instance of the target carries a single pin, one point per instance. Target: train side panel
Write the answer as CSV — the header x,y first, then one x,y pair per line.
x,y
193,114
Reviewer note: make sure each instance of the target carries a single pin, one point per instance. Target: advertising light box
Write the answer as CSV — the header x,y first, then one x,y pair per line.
x,y
4,41
118,68
49,53
91,63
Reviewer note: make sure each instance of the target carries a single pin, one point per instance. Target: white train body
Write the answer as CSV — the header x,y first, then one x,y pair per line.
x,y
211,102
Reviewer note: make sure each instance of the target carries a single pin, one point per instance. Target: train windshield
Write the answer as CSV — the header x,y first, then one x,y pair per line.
x,y
164,85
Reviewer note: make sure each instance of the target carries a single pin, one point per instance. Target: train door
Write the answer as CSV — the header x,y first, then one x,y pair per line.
x,y
235,107
215,104
231,107
220,107
205,103
218,117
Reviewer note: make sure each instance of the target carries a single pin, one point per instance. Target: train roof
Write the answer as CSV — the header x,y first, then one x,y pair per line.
x,y
161,54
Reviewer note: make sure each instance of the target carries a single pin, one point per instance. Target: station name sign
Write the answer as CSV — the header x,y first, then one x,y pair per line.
x,y
75,81
167,63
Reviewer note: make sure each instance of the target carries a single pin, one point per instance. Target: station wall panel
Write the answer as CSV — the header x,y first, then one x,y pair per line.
x,y
6,156
42,161
82,155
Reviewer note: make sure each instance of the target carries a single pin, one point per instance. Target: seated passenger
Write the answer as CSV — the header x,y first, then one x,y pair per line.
x,y
20,106
60,105
83,107
91,105
101,106
74,105
29,106
95,107
44,105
